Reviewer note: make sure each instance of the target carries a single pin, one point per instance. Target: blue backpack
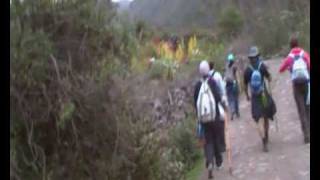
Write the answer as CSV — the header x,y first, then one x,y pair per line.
x,y
256,81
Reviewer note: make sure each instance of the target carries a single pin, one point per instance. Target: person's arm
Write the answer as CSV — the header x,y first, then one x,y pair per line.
x,y
246,81
235,73
265,72
215,90
196,93
284,65
219,80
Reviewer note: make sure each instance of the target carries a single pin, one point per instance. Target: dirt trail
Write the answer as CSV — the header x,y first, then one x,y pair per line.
x,y
288,157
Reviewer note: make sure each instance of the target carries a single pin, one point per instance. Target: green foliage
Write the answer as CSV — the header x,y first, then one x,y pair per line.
x,y
66,114
277,29
196,171
211,51
230,22
184,140
163,69
65,124
275,34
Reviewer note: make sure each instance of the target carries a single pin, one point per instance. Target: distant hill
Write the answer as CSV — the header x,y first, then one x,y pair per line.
x,y
194,13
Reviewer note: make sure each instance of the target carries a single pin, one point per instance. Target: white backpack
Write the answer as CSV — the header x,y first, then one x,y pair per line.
x,y
299,68
206,106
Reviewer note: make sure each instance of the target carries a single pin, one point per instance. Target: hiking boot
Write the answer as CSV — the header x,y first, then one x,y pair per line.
x,y
210,167
210,176
220,166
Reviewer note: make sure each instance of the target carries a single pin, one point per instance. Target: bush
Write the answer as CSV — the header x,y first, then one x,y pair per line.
x,y
64,123
274,30
184,141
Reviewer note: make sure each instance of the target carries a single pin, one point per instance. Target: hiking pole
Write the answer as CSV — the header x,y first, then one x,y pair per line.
x,y
228,140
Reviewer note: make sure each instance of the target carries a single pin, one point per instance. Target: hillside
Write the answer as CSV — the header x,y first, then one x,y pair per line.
x,y
196,13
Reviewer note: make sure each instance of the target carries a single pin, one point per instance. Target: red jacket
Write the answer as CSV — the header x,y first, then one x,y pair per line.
x,y
288,61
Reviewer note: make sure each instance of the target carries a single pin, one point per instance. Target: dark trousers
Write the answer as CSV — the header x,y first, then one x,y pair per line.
x,y
222,136
300,91
212,147
233,97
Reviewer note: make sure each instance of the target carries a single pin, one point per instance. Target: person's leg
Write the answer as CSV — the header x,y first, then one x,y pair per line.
x,y
223,137
307,115
308,123
237,101
232,105
230,95
209,146
266,134
299,98
217,144
260,124
237,106
205,154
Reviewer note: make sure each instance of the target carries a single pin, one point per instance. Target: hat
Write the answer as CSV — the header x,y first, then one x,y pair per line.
x,y
253,52
230,57
204,68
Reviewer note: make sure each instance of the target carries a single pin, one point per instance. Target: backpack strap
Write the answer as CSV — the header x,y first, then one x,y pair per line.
x,y
216,103
213,72
296,57
260,63
291,55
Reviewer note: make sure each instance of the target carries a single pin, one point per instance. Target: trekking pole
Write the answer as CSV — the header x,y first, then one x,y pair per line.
x,y
226,127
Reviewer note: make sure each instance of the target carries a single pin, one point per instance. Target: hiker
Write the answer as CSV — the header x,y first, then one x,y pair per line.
x,y
207,97
232,86
298,64
221,84
262,104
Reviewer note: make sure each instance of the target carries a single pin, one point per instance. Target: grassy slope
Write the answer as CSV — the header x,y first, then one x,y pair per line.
x,y
196,171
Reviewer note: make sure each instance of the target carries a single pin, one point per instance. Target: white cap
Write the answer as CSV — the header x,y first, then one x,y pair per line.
x,y
204,68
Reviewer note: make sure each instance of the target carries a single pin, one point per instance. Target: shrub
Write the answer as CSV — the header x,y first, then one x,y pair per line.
x,y
271,34
64,123
274,30
183,139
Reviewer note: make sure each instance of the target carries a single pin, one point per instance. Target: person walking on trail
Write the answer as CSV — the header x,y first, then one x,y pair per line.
x,y
262,104
298,64
232,86
220,82
207,97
